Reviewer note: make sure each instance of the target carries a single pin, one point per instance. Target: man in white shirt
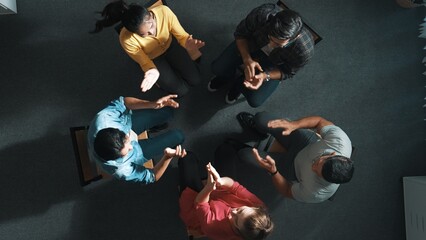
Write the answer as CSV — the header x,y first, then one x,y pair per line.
x,y
316,166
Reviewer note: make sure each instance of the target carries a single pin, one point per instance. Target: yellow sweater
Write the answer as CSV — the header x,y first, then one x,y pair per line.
x,y
143,49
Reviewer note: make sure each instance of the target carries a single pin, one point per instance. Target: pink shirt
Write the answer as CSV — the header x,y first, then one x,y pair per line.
x,y
212,218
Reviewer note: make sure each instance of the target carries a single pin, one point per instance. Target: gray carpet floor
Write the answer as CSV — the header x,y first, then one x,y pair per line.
x,y
366,77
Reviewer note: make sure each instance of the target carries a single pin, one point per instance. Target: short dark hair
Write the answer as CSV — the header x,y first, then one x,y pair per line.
x,y
131,16
108,143
286,24
338,169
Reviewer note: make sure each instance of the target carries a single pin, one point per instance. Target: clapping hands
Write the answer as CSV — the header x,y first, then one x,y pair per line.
x,y
179,151
213,178
215,175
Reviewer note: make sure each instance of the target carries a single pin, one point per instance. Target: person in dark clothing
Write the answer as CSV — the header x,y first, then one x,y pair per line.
x,y
270,45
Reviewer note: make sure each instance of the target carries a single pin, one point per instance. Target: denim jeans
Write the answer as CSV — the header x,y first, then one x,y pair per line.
x,y
145,119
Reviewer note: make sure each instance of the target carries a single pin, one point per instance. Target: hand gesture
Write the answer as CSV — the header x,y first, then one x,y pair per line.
x,y
288,126
193,44
150,78
211,183
177,152
250,67
166,101
267,163
216,177
255,82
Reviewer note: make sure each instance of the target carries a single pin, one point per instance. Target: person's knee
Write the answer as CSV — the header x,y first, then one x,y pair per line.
x,y
187,160
245,153
181,90
224,152
168,113
255,103
224,149
193,80
177,136
261,120
173,85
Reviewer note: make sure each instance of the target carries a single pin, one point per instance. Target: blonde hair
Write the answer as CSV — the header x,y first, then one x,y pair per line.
x,y
257,225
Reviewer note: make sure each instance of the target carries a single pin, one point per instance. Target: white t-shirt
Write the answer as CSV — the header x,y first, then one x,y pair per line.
x,y
310,187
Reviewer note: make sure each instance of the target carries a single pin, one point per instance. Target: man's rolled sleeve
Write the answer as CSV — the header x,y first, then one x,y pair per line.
x,y
140,174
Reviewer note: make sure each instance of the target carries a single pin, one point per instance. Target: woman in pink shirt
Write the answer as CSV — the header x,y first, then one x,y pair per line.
x,y
221,208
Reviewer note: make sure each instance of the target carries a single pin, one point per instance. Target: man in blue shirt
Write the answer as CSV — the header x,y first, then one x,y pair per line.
x,y
114,145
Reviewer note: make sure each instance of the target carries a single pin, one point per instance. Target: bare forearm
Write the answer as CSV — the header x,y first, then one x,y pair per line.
x,y
161,167
243,48
282,185
316,122
136,103
203,196
226,182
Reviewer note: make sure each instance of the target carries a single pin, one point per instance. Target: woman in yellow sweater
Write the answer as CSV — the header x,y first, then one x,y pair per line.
x,y
147,37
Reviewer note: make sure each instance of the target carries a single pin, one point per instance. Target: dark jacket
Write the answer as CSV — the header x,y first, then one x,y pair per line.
x,y
288,59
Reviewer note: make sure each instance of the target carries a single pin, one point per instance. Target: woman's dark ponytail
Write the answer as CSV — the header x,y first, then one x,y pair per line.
x,y
111,14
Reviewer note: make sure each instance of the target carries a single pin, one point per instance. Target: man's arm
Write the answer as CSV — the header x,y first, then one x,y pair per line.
x,y
250,66
162,165
316,122
136,103
242,45
281,184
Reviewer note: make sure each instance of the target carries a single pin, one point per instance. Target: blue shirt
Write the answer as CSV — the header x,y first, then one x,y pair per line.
x,y
130,167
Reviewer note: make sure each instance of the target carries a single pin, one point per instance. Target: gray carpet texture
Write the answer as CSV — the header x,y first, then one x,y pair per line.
x,y
366,77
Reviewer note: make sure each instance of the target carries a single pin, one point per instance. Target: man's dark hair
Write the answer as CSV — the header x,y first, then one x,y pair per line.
x,y
338,169
131,16
108,143
286,24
